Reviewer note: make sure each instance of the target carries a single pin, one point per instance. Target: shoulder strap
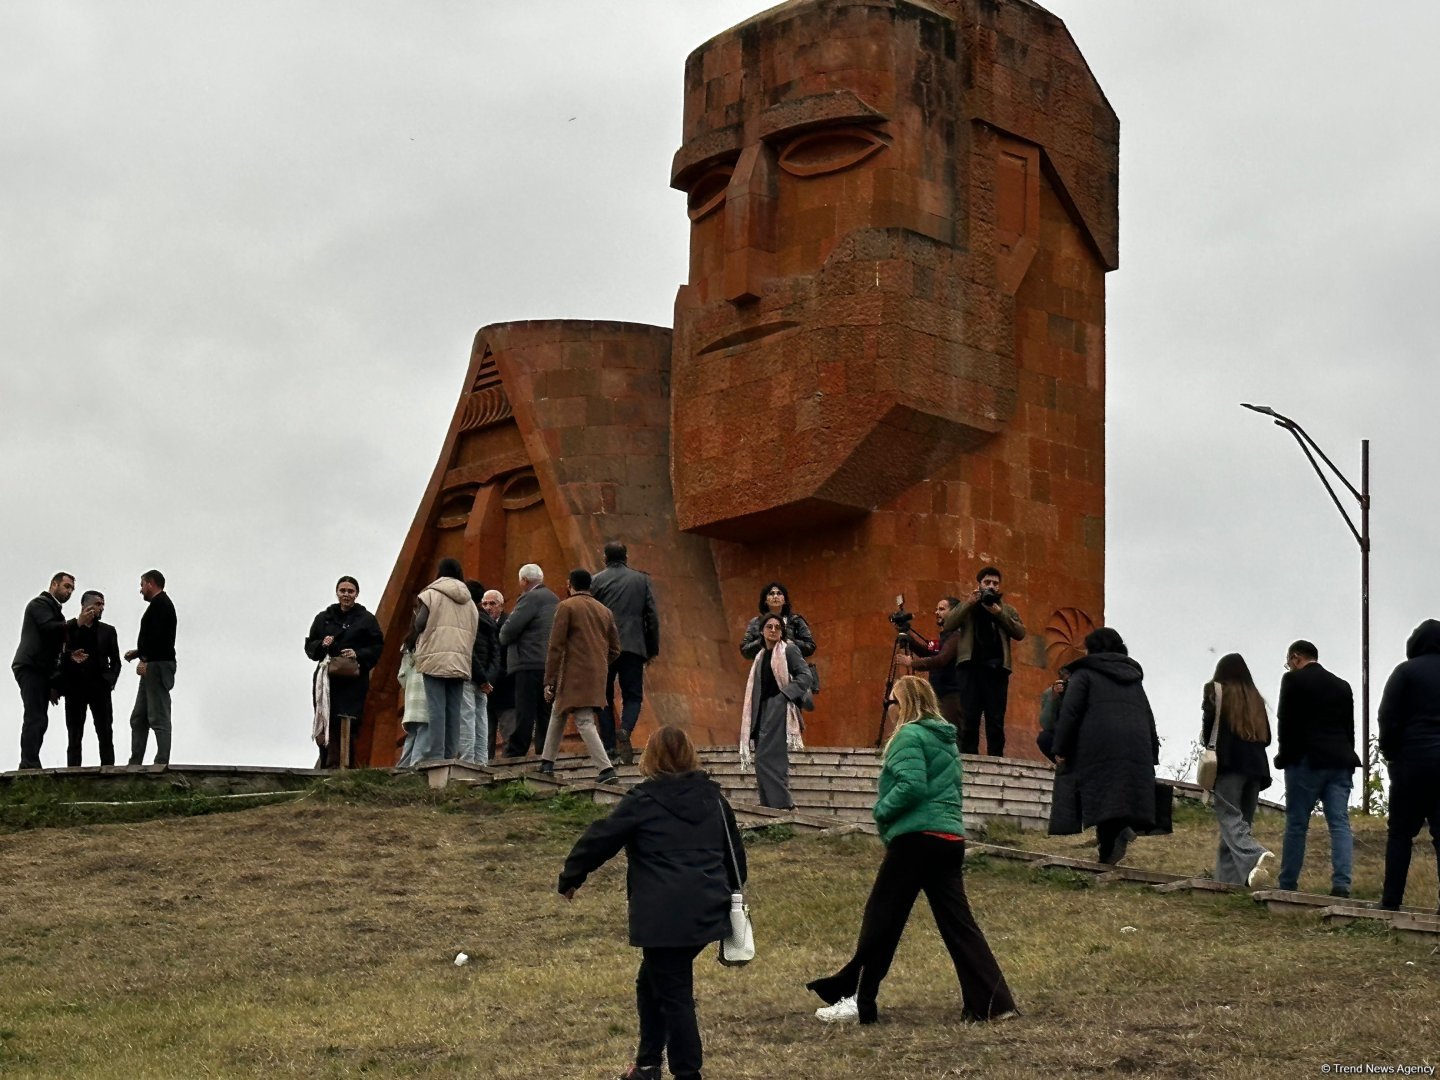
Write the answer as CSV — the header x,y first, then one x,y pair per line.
x,y
1215,726
729,846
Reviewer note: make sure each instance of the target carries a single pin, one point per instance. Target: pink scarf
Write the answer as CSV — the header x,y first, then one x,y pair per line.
x,y
793,727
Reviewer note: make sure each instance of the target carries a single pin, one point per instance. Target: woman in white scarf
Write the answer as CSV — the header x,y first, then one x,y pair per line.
x,y
770,723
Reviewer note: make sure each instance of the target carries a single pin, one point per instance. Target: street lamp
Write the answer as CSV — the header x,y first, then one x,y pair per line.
x,y
1362,537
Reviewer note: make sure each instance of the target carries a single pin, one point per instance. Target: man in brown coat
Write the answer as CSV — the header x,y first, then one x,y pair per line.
x,y
584,642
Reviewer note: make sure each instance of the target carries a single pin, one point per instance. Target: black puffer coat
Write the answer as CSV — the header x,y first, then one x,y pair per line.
x,y
1106,736
679,881
1410,707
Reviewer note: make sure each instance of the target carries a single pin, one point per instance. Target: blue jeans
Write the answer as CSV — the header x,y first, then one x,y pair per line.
x,y
1304,787
444,699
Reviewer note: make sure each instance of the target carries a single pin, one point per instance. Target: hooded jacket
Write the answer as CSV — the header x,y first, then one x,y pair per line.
x,y
444,647
1410,707
673,828
1106,736
920,782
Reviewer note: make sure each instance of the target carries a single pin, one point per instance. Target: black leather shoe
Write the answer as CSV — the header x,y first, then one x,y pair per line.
x,y
1340,891
547,768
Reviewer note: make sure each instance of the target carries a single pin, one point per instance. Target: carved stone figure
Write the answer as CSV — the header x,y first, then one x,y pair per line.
x,y
887,368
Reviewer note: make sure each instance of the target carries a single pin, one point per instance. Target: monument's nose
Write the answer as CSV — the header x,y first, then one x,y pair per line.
x,y
750,204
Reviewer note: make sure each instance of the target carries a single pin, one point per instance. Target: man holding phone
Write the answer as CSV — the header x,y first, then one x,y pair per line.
x,y
89,669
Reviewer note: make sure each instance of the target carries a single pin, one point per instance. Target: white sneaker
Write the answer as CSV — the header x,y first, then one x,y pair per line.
x,y
844,1011
1259,875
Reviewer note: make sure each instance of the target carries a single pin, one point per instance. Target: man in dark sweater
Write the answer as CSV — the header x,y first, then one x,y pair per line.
x,y
155,649
1316,735
36,664
89,670
628,595
984,626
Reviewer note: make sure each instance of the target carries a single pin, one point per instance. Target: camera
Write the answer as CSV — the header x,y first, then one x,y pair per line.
x,y
990,596
901,618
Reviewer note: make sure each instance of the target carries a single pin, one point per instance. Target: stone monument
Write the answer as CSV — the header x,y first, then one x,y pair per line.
x,y
887,367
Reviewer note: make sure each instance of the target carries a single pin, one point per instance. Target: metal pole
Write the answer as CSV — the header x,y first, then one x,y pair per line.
x,y
1365,613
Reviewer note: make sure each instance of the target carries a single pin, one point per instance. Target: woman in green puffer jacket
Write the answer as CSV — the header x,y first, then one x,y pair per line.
x,y
918,811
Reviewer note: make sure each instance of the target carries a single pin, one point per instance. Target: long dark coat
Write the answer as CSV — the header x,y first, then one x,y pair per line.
x,y
673,828
1106,736
356,629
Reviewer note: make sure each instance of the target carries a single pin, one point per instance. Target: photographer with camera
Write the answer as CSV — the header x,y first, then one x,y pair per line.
x,y
983,626
938,661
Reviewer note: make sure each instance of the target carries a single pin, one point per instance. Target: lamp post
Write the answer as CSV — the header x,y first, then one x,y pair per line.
x,y
1362,537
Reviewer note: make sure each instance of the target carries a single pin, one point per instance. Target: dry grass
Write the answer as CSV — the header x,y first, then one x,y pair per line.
x,y
317,939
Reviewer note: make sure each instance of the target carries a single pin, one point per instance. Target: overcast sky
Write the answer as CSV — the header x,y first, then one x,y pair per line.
x,y
244,249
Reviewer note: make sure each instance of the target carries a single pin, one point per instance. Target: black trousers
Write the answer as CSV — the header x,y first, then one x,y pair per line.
x,y
984,690
35,718
1414,801
914,863
665,1002
532,714
629,670
97,699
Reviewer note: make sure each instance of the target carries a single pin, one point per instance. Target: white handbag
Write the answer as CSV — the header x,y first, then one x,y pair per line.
x,y
738,946
1209,766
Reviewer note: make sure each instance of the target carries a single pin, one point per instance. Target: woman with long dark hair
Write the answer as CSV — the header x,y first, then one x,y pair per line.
x,y
918,810
679,834
1106,748
775,600
770,724
1242,768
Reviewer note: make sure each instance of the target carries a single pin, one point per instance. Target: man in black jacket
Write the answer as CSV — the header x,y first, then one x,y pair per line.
x,y
1410,742
526,638
627,594
1316,736
89,670
155,649
36,664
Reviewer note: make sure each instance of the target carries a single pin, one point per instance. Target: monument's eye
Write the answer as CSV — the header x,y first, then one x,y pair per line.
x,y
708,193
830,150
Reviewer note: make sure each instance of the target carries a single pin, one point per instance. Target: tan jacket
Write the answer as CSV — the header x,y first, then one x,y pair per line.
x,y
446,643
584,642
962,620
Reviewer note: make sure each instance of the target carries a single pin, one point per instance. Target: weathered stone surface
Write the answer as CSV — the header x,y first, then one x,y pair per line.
x,y
888,365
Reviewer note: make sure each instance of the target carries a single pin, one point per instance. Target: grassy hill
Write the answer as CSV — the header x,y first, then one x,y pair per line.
x,y
316,938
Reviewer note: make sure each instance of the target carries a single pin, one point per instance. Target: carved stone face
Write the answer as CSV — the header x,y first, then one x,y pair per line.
x,y
829,311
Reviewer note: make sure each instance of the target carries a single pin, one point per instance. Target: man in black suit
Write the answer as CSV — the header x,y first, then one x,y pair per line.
x,y
37,664
627,594
1316,725
89,669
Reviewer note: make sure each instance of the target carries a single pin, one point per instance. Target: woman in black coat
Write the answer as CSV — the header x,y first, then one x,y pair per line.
x,y
345,629
1242,771
775,600
678,833
1106,748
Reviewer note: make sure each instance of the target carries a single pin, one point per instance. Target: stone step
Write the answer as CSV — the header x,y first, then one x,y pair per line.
x,y
1290,902
1197,884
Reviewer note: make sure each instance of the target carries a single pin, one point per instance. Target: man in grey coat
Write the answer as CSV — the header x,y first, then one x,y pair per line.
x,y
526,639
628,595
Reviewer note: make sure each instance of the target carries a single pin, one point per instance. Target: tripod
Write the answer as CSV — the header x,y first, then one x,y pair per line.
x,y
902,645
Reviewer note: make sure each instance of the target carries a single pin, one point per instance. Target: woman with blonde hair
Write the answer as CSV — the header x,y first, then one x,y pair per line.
x,y
679,834
1242,769
918,810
